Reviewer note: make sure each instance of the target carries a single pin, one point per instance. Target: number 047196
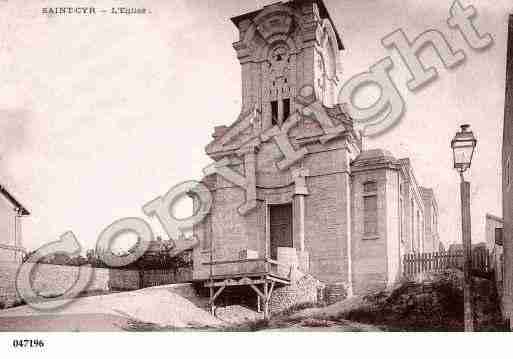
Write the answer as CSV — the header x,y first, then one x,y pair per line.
x,y
28,343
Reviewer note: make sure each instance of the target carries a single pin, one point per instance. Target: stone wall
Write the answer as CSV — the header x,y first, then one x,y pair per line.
x,y
325,228
121,280
7,255
303,290
53,280
158,277
369,254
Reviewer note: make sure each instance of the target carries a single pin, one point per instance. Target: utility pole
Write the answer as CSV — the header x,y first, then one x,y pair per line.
x,y
466,231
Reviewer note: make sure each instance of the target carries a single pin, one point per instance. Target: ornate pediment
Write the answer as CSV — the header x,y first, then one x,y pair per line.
x,y
314,123
275,23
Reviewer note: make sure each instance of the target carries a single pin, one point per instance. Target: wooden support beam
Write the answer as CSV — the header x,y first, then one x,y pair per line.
x,y
219,291
266,301
210,301
257,291
271,291
228,283
276,279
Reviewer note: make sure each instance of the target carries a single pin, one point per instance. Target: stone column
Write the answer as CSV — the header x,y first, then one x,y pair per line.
x,y
300,192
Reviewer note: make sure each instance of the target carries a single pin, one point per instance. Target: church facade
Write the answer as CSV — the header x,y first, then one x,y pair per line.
x,y
291,181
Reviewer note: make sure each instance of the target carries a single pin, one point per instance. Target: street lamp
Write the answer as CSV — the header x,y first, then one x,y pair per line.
x,y
463,146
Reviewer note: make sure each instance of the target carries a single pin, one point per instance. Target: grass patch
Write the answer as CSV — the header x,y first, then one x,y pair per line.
x,y
429,307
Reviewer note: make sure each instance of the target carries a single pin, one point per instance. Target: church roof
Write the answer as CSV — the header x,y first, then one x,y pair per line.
x,y
13,201
376,154
323,11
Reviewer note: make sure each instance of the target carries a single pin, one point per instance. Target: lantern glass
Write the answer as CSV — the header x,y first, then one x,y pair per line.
x,y
463,147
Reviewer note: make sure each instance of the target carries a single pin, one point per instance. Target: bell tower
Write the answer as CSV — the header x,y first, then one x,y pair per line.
x,y
281,183
282,48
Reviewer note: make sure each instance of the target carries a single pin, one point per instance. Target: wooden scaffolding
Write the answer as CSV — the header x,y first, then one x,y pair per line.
x,y
263,280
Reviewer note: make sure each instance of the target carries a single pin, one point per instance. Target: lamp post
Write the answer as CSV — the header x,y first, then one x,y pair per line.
x,y
463,146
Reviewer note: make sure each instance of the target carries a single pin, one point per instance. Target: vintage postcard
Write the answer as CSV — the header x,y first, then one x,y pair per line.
x,y
251,166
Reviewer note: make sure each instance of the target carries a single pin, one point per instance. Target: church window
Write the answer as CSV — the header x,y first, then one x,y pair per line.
x,y
274,113
207,233
370,187
286,109
370,209
370,205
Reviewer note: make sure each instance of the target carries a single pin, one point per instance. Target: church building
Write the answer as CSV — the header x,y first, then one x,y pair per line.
x,y
292,186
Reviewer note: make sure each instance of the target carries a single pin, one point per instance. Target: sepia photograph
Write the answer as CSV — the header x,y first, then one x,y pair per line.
x,y
182,168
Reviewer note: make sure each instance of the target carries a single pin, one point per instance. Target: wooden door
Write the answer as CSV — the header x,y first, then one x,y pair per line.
x,y
280,217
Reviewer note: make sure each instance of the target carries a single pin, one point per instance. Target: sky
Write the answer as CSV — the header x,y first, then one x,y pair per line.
x,y
101,114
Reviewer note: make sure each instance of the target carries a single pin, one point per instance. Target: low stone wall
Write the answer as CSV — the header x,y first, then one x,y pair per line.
x,y
304,289
123,280
334,293
9,254
157,277
54,280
